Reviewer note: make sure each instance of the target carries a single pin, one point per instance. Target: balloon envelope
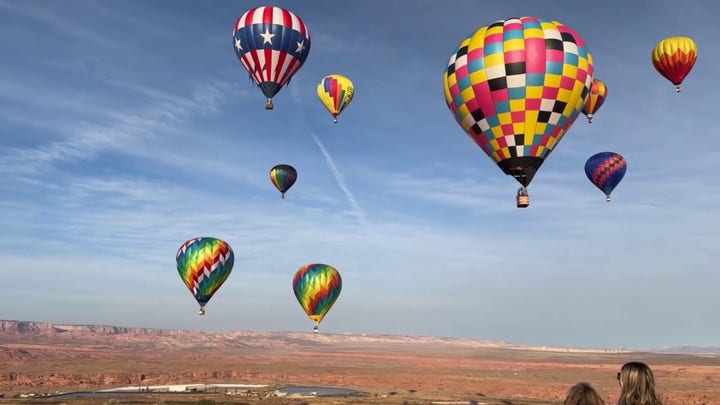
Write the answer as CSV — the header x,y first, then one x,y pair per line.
x,y
605,170
316,287
516,86
283,177
204,264
272,44
674,57
335,92
594,100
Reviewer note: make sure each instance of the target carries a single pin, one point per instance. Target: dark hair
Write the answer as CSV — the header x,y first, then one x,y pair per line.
x,y
583,394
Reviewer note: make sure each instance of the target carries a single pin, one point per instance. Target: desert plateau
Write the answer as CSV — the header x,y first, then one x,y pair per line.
x,y
37,359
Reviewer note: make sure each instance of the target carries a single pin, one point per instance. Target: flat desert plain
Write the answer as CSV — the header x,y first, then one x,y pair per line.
x,y
44,358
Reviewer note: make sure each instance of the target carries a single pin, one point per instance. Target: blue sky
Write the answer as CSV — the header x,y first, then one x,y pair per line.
x,y
129,127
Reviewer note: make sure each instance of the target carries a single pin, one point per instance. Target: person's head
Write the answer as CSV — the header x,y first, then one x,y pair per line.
x,y
583,394
637,385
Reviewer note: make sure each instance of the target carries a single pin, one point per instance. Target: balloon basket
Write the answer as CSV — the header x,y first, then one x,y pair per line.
x,y
201,311
523,201
269,105
315,329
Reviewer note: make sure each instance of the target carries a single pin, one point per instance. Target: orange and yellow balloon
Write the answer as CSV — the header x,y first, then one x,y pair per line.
x,y
335,92
674,57
596,98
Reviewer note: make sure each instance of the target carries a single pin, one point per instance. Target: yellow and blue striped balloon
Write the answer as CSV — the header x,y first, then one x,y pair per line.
x,y
204,264
317,287
283,177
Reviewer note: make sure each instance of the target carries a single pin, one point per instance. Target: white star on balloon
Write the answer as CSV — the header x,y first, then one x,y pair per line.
x,y
300,47
238,45
267,37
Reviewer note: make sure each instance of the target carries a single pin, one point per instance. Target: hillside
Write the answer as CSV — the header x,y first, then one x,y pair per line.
x,y
43,357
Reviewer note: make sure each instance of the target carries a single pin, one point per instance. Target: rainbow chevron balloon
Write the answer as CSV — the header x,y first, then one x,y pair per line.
x,y
204,264
316,288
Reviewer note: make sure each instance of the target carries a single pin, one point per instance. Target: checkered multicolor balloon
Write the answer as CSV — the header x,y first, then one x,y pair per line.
x,y
516,86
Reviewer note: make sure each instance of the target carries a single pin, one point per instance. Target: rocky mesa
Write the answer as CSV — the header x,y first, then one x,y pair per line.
x,y
42,357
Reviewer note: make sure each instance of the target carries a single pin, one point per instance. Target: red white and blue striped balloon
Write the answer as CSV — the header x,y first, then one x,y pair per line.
x,y
272,44
605,170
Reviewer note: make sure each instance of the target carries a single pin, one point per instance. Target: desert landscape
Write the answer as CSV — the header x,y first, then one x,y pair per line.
x,y
37,359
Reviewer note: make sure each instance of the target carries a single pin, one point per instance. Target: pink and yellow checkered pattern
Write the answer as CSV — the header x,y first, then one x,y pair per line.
x,y
516,86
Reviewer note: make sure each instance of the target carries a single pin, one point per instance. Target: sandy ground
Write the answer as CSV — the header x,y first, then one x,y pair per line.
x,y
392,373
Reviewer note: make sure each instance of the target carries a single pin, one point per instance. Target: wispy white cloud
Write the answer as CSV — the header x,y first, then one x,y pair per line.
x,y
107,129
43,16
340,180
453,191
124,13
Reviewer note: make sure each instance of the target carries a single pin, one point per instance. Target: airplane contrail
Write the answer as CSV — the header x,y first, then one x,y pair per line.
x,y
340,180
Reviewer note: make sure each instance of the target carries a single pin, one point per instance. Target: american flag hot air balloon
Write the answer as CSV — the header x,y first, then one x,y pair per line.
x,y
272,44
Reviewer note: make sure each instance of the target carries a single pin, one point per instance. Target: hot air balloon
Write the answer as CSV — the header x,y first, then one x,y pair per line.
x,y
204,264
596,98
316,288
674,57
516,86
272,44
335,92
283,177
605,170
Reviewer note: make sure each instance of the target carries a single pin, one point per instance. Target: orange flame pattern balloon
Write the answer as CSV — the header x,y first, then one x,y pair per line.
x,y
596,98
674,57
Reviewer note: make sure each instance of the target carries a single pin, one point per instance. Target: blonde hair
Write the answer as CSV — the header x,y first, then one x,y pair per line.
x,y
637,385
583,394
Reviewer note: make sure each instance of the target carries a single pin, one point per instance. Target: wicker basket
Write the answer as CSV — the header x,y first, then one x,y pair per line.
x,y
523,201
